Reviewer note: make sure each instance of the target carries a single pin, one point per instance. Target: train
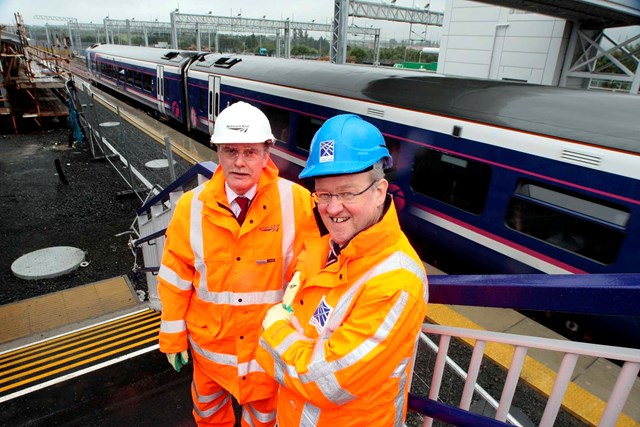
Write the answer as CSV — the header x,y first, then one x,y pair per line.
x,y
488,177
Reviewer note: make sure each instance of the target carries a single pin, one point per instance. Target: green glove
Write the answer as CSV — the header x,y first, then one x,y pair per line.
x,y
291,291
178,360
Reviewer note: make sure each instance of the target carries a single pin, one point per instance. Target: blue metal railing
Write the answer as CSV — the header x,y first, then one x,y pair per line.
x,y
602,294
205,168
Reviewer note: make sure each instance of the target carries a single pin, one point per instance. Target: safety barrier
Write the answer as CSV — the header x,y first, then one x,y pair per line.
x,y
153,219
570,350
116,136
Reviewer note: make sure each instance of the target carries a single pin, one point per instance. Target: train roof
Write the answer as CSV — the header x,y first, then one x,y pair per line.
x,y
173,57
599,118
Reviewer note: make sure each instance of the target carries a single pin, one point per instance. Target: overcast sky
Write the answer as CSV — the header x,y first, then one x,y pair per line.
x,y
150,10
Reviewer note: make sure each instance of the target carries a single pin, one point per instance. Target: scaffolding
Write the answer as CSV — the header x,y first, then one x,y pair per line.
x,y
31,82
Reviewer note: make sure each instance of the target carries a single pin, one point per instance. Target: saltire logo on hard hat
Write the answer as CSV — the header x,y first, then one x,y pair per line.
x,y
320,316
239,128
326,151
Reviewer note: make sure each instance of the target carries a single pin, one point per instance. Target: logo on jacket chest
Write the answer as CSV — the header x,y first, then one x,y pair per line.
x,y
321,315
270,228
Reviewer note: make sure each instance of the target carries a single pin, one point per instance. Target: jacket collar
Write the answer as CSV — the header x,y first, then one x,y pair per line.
x,y
379,236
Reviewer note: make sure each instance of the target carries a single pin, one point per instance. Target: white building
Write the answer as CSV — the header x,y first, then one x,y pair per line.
x,y
491,42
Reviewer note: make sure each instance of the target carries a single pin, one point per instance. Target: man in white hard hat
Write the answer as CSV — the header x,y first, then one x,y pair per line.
x,y
229,252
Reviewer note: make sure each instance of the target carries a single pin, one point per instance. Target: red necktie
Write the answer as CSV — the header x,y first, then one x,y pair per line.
x,y
334,251
243,202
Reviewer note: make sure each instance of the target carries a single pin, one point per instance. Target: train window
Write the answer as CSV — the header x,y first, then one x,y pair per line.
x,y
129,75
585,227
137,79
450,179
307,127
147,82
202,99
279,120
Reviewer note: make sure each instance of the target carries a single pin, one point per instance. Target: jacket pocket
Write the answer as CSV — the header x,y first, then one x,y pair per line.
x,y
204,325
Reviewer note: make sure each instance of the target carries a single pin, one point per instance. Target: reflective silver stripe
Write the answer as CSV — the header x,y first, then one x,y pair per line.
x,y
246,417
173,326
395,261
288,223
206,399
243,368
323,372
240,298
400,398
249,367
196,238
171,277
279,365
263,417
322,368
310,415
219,358
209,397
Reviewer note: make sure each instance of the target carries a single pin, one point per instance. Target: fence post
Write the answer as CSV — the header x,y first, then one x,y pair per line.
x,y
172,171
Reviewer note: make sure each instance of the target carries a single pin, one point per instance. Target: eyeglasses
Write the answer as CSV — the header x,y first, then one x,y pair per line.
x,y
322,197
248,154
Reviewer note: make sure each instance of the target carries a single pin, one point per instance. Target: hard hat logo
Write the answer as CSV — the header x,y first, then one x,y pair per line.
x,y
242,123
326,151
345,144
238,128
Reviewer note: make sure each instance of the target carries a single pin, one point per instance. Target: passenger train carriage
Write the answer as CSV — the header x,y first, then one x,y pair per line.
x,y
498,177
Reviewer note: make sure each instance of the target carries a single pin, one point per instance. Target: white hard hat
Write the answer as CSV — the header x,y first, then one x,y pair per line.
x,y
242,123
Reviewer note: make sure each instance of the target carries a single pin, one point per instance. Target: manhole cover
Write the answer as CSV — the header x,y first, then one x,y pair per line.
x,y
158,164
48,262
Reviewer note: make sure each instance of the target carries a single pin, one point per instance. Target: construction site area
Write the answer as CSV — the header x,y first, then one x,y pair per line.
x,y
32,83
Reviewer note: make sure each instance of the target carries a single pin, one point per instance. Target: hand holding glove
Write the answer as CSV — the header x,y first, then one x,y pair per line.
x,y
178,360
291,291
275,313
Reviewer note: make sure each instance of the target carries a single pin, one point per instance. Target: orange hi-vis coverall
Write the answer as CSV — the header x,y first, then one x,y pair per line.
x,y
217,280
346,357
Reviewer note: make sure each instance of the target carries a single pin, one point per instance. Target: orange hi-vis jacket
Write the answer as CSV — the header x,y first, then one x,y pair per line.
x,y
217,279
346,357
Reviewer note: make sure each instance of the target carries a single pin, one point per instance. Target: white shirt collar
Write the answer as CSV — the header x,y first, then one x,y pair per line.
x,y
231,197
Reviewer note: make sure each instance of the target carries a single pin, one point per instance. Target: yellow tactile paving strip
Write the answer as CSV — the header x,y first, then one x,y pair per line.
x,y
577,401
38,315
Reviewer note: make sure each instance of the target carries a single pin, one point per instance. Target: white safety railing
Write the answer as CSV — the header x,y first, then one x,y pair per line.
x,y
628,357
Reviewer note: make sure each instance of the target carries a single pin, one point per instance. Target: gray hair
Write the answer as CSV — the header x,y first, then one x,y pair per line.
x,y
377,171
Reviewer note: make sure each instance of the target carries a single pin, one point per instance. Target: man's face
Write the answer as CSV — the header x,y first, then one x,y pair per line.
x,y
343,216
242,164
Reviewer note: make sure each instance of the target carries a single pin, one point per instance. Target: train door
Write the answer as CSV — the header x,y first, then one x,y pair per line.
x,y
160,87
213,107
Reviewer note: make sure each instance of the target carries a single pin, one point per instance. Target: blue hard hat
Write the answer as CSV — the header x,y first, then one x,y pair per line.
x,y
345,144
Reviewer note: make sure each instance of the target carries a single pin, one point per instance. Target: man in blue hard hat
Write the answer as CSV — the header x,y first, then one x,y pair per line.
x,y
341,345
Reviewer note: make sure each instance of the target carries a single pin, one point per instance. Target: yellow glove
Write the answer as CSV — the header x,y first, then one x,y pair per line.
x,y
275,313
291,291
178,360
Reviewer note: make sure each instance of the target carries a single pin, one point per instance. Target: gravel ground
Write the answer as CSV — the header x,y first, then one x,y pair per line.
x,y
40,211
